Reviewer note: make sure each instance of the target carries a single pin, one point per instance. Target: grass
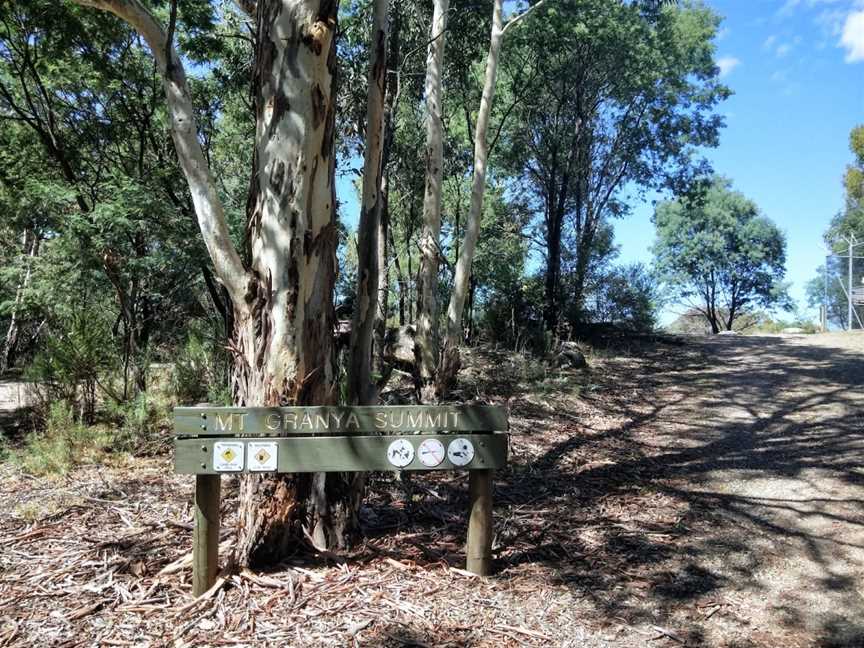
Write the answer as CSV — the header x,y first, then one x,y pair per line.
x,y
63,444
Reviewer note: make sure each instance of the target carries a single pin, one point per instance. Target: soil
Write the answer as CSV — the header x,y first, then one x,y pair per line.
x,y
679,491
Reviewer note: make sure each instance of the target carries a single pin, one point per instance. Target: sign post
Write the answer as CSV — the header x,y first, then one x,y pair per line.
x,y
211,441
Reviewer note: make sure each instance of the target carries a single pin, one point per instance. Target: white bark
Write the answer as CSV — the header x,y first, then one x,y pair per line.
x,y
478,187
30,247
360,388
427,306
462,274
184,131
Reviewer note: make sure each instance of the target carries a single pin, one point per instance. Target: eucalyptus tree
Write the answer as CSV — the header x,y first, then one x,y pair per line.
x,y
450,361
360,388
623,95
281,293
430,241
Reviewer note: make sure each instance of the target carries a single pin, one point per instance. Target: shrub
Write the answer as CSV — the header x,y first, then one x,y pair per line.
x,y
201,372
64,443
76,365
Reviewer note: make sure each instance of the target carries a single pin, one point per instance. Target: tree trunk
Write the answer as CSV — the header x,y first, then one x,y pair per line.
x,y
10,347
284,326
427,289
552,280
583,259
283,303
450,361
361,389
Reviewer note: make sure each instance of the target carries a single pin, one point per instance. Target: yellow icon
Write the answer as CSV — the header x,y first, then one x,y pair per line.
x,y
228,455
262,456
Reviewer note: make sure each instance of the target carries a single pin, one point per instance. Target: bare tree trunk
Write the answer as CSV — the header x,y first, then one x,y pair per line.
x,y
383,301
427,289
450,361
361,389
30,247
385,235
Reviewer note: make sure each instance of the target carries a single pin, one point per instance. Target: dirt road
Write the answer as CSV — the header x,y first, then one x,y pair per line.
x,y
769,438
759,442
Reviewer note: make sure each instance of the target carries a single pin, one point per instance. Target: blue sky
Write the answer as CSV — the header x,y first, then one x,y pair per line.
x,y
797,70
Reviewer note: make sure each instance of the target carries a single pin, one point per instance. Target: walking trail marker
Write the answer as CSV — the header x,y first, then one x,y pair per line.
x,y
212,441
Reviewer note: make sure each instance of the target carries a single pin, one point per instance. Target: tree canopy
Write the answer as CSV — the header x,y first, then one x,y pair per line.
x,y
716,253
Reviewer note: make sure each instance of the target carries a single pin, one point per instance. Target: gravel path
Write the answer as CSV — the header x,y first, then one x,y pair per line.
x,y
767,440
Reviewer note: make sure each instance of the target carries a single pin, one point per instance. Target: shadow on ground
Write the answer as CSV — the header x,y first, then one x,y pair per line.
x,y
724,497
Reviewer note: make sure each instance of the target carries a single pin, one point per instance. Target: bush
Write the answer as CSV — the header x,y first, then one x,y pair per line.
x,y
64,443
201,372
76,366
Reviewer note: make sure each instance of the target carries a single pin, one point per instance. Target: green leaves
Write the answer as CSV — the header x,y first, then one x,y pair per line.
x,y
715,249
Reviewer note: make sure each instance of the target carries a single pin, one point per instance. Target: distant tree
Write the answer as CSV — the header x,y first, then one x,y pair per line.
x,y
717,254
627,296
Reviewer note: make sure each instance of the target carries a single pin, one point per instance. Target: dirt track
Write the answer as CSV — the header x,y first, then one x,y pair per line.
x,y
767,440
704,494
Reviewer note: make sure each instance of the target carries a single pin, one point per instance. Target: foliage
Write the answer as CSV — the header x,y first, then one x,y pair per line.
x,y
716,253
74,366
627,296
610,97
64,443
200,371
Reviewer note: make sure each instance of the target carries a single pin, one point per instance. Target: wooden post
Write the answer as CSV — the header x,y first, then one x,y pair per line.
x,y
205,537
480,526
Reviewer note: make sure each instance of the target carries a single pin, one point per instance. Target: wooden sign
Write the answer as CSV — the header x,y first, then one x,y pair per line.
x,y
214,441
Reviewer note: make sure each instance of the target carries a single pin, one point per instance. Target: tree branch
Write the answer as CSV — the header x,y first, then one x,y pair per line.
x,y
515,20
184,131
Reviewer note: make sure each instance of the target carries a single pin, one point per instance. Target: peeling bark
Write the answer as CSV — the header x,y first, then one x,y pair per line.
x,y
283,330
283,303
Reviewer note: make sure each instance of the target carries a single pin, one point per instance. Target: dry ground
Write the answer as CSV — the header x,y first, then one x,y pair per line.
x,y
707,494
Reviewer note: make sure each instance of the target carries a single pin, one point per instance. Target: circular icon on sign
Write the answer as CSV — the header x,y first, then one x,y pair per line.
x,y
431,452
460,452
400,453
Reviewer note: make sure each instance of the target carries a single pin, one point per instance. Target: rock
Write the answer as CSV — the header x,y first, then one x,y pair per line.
x,y
792,330
728,333
573,358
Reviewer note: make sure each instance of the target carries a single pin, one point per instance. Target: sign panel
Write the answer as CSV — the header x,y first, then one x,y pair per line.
x,y
262,456
227,457
344,454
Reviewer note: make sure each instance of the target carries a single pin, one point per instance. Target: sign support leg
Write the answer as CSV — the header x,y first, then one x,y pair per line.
x,y
480,526
205,538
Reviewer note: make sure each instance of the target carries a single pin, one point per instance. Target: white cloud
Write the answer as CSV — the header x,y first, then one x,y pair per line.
x,y
852,38
769,42
727,64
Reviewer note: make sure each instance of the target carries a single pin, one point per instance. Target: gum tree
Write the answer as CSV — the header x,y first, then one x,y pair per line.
x,y
281,289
